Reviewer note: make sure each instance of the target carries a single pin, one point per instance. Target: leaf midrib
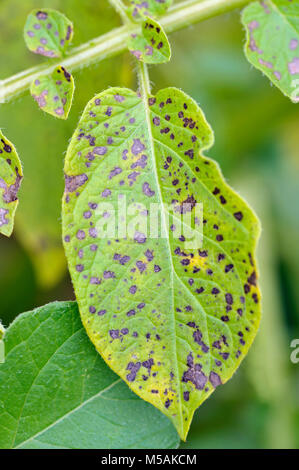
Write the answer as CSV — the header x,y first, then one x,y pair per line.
x,y
74,410
154,161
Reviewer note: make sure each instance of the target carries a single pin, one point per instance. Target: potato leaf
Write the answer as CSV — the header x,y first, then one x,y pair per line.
x,y
10,179
54,93
48,32
56,391
173,321
140,9
151,46
272,45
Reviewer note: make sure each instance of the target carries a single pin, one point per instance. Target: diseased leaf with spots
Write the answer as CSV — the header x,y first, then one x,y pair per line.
x,y
56,391
151,46
10,179
139,9
54,93
174,322
48,32
272,46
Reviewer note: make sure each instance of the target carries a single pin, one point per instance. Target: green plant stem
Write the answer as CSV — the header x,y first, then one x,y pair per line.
x,y
144,81
110,44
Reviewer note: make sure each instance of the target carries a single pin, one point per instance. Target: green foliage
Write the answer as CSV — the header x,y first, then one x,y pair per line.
x,y
65,395
173,321
48,32
272,46
151,46
139,9
10,179
2,331
54,93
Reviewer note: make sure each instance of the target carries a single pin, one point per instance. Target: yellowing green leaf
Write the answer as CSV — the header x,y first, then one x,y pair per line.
x,y
56,391
173,321
151,45
54,93
272,45
48,32
10,179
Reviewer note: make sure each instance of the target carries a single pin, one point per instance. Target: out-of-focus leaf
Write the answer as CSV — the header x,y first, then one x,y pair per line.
x,y
172,320
48,32
10,179
2,330
140,9
56,391
151,45
54,93
272,45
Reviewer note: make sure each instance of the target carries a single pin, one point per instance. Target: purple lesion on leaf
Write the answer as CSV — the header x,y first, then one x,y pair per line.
x,y
42,51
147,190
108,275
252,44
149,50
137,147
215,379
293,66
277,74
116,171
106,192
132,177
69,33
41,15
186,206
265,7
114,334
59,111
139,237
11,191
3,216
119,98
133,368
194,374
40,99
266,63
137,54
72,183
293,44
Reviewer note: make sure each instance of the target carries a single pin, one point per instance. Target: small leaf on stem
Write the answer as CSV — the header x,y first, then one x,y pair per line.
x,y
48,32
54,93
151,46
10,179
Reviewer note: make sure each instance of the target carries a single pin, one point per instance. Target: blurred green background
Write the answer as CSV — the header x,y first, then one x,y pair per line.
x,y
257,145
